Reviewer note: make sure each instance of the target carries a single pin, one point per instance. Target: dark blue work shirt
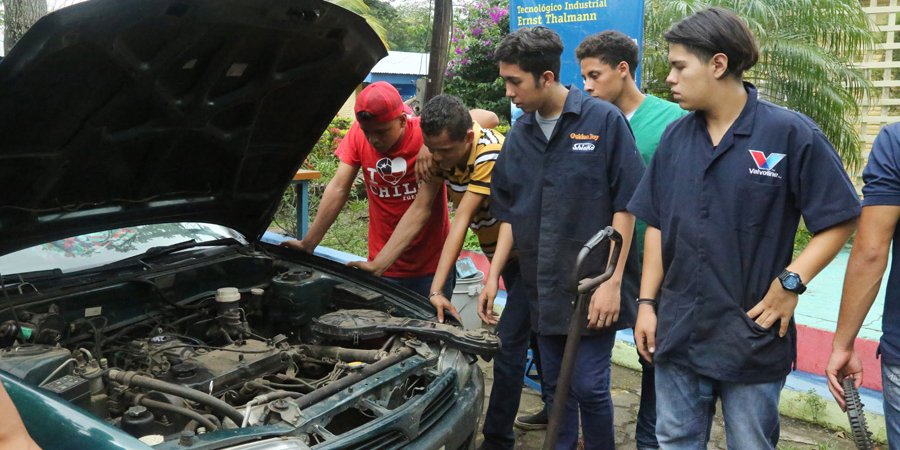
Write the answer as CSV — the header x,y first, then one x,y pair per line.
x,y
728,215
882,177
556,194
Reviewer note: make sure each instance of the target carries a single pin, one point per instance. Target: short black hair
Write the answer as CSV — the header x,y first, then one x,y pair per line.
x,y
535,50
446,112
610,47
717,30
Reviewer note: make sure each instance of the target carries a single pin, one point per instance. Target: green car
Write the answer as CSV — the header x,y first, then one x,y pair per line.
x,y
144,148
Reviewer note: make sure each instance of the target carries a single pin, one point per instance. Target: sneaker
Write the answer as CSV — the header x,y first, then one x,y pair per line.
x,y
537,421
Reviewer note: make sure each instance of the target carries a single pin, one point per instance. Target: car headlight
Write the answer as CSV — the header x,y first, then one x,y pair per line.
x,y
286,443
462,363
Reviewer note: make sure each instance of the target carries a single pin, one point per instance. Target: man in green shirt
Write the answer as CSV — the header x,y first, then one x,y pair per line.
x,y
608,63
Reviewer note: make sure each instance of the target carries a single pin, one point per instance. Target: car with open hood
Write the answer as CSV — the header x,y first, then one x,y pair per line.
x,y
144,148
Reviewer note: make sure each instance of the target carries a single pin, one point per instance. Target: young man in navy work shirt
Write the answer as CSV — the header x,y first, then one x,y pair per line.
x,y
608,63
568,168
868,261
722,199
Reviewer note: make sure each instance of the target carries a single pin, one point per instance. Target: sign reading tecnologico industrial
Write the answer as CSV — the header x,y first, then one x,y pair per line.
x,y
558,12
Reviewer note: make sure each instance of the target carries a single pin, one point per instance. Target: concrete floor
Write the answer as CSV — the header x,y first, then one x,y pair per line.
x,y
626,386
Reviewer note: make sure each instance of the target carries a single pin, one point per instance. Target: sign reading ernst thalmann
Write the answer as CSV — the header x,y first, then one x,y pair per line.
x,y
576,19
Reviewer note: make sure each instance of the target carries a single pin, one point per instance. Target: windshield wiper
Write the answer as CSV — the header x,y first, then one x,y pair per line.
x,y
155,252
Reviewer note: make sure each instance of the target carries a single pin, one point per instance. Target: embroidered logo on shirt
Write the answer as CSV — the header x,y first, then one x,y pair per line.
x,y
582,147
765,165
582,136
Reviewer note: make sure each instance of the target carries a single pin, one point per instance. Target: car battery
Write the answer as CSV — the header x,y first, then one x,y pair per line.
x,y
69,387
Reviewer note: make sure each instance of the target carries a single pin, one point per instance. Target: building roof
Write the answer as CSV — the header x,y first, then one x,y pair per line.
x,y
407,63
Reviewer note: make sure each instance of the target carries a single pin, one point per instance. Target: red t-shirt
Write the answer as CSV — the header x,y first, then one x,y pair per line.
x,y
391,185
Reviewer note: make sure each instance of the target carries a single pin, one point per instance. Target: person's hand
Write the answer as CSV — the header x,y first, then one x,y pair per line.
x,y
368,266
486,302
778,304
299,245
645,332
424,165
843,363
440,303
605,303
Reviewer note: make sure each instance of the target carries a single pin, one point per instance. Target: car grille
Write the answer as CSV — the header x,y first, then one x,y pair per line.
x,y
438,405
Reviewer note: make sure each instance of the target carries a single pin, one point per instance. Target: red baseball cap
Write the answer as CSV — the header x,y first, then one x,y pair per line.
x,y
381,100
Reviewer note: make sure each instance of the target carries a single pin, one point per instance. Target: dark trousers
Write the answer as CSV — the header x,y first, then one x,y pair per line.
x,y
514,331
645,433
588,391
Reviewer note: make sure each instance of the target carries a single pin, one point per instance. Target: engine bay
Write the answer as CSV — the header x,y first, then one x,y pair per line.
x,y
173,354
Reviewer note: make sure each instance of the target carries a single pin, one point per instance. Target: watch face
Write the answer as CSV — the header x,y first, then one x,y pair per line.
x,y
791,282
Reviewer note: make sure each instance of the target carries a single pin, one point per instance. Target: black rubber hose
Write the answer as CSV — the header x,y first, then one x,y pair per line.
x,y
132,378
193,424
189,413
347,381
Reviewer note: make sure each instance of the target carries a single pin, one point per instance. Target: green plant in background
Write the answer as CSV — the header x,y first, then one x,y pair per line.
x,y
472,73
807,48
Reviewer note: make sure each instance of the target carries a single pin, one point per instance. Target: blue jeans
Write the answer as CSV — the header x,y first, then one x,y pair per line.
x,y
645,430
422,285
514,331
588,391
890,378
686,404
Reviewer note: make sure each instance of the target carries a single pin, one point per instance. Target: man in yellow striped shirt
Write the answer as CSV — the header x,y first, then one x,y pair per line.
x,y
463,154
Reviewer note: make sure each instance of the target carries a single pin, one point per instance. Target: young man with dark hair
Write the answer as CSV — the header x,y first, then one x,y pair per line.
x,y
722,200
608,63
408,220
568,168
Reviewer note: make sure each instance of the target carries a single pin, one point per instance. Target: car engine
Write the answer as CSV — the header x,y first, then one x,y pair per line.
x,y
232,358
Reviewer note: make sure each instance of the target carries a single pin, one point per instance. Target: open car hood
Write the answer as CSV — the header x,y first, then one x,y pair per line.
x,y
116,113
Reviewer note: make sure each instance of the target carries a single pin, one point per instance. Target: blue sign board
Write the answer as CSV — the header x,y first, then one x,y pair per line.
x,y
576,19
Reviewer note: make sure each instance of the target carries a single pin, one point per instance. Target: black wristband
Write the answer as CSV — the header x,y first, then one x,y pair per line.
x,y
646,301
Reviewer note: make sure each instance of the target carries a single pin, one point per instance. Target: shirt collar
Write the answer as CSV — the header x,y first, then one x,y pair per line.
x,y
478,131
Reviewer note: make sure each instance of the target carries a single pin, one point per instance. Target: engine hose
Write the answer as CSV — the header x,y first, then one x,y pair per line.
x,y
347,381
193,424
341,353
168,407
213,403
288,386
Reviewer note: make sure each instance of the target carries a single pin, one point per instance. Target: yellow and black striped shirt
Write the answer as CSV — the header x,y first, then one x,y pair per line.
x,y
476,177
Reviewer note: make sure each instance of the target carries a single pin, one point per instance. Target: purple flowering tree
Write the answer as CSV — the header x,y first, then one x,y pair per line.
x,y
472,73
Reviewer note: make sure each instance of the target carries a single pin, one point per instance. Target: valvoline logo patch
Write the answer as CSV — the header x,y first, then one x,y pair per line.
x,y
764,162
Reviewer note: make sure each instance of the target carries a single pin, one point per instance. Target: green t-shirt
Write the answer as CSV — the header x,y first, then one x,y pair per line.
x,y
648,123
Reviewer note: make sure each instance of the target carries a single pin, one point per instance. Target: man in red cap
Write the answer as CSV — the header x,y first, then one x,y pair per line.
x,y
407,219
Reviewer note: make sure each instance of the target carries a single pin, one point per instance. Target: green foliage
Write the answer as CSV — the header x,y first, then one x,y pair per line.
x,y
806,51
408,28
472,73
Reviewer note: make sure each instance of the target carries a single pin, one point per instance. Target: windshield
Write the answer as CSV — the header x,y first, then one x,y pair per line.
x,y
99,248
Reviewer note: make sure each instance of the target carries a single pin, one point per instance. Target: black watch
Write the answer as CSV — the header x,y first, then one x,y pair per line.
x,y
790,281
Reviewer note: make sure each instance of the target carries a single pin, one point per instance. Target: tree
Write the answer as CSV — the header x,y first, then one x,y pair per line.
x,y
408,28
472,73
18,17
807,50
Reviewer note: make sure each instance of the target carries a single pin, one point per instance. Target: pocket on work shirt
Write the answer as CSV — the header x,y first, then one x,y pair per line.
x,y
757,208
759,347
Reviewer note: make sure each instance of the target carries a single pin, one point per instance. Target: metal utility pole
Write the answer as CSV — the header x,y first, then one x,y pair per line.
x,y
440,48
